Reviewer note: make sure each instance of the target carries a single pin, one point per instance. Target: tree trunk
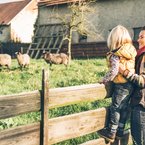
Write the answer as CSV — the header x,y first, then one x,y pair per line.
x,y
69,45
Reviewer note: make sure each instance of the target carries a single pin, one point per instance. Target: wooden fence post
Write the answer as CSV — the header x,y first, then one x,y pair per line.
x,y
44,109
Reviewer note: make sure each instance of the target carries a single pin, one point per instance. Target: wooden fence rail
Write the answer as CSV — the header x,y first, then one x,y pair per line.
x,y
54,130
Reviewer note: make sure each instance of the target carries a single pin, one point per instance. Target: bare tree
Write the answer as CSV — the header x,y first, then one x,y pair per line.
x,y
78,20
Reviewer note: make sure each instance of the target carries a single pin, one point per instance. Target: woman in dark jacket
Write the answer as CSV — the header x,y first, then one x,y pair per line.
x,y
138,95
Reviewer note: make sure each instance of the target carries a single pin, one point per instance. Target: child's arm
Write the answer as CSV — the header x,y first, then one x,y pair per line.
x,y
114,68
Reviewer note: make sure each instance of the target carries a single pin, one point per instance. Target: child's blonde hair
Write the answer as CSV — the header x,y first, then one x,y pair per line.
x,y
118,36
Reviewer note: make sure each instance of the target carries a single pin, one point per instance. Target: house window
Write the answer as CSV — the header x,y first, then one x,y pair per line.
x,y
82,38
136,33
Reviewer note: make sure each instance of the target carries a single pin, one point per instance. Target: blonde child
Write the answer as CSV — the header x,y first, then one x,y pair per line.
x,y
122,52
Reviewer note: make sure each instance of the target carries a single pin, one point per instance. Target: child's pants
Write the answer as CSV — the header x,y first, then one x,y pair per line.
x,y
119,109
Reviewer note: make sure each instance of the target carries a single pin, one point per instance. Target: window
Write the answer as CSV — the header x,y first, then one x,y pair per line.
x,y
82,38
136,33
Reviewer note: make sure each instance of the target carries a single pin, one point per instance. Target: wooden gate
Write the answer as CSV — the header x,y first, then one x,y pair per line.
x,y
47,37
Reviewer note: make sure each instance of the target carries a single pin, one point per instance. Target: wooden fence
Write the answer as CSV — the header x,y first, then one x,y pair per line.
x,y
87,49
54,130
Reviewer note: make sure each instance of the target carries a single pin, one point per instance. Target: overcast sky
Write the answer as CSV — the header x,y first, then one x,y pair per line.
x,y
5,1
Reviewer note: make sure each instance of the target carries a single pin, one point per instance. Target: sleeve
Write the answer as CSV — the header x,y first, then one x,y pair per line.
x,y
113,70
138,80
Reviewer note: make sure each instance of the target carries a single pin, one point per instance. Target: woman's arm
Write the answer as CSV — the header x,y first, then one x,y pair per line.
x,y
138,80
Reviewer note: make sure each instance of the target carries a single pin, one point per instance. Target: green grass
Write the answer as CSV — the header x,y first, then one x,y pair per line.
x,y
78,73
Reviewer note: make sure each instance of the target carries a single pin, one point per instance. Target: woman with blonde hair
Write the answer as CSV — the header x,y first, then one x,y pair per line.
x,y
122,52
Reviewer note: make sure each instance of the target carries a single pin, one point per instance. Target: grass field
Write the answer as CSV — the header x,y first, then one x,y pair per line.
x,y
79,72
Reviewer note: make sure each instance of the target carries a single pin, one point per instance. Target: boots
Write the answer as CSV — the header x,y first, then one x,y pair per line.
x,y
120,133
107,134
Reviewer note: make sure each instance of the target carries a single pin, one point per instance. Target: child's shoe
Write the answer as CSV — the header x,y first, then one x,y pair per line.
x,y
107,134
121,133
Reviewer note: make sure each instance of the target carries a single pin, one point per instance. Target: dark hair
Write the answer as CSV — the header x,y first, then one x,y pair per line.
x,y
143,28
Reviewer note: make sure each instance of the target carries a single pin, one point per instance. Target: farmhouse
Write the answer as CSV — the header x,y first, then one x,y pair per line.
x,y
17,20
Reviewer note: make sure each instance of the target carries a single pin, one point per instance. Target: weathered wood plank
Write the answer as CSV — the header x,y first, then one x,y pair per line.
x,y
76,94
12,105
72,126
99,141
23,135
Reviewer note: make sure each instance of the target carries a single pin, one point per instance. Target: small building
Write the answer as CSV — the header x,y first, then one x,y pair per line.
x,y
17,21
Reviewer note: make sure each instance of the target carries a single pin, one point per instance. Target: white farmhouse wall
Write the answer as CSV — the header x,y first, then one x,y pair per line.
x,y
22,26
108,14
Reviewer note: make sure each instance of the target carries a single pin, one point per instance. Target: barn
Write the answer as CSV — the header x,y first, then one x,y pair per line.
x,y
107,14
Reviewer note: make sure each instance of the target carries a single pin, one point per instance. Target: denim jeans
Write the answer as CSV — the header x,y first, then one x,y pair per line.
x,y
138,125
119,109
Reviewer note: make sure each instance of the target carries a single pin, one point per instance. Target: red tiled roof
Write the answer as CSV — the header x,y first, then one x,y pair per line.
x,y
9,10
54,2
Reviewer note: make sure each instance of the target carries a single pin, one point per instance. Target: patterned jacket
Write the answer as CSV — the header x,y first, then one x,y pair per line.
x,y
126,54
138,79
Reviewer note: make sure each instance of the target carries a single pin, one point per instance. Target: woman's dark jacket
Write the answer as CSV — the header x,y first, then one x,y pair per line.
x,y
138,79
